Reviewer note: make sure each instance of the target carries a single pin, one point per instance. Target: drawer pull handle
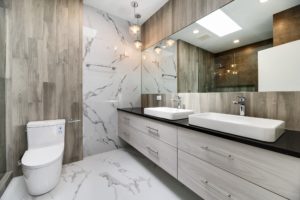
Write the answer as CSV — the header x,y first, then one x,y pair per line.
x,y
153,152
153,131
227,194
206,148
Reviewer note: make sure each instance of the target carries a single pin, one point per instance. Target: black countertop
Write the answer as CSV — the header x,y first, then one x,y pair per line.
x,y
288,143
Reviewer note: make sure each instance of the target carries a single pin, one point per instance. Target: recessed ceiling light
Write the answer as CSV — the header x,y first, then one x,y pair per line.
x,y
236,41
263,1
219,23
164,46
196,31
170,42
157,50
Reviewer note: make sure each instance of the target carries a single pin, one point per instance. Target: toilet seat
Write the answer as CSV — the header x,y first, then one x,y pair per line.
x,y
42,157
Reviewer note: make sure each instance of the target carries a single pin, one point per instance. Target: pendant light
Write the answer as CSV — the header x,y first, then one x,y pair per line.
x,y
138,44
135,28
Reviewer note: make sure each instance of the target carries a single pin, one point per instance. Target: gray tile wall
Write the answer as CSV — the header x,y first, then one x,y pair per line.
x,y
2,91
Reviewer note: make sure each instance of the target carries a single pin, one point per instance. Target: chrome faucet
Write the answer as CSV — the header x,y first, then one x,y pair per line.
x,y
178,100
241,101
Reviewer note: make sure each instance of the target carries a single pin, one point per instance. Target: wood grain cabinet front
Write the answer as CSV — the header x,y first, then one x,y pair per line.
x,y
213,183
161,131
161,153
273,171
213,167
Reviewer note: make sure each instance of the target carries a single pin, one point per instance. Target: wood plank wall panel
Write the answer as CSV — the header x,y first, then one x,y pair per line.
x,y
2,90
175,15
195,67
286,26
273,105
158,26
187,67
206,70
187,12
44,79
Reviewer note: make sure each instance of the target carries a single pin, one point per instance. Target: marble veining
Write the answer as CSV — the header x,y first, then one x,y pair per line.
x,y
122,174
155,65
111,78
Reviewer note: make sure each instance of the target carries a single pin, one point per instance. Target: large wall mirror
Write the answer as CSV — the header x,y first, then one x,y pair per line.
x,y
244,46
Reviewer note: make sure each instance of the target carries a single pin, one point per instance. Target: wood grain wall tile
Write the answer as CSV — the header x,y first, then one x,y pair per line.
x,y
273,105
288,109
175,15
45,76
187,12
158,26
49,101
187,67
2,90
286,26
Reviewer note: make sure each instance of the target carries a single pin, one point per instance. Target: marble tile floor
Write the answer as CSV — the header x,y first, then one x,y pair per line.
x,y
122,174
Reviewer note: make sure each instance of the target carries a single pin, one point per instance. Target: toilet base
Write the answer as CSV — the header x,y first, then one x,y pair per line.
x,y
42,180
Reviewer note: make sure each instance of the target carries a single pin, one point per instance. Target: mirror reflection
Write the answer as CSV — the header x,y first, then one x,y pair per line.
x,y
214,55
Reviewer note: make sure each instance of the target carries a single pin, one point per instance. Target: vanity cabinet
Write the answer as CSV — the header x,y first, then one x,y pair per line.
x,y
149,138
211,182
158,130
213,167
273,171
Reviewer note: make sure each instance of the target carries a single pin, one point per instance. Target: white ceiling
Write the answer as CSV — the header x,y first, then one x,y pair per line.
x,y
123,9
254,17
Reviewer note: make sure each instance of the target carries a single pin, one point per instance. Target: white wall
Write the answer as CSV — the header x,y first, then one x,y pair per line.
x,y
107,42
279,68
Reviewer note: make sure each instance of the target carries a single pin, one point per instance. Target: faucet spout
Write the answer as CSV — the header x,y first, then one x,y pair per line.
x,y
242,104
178,100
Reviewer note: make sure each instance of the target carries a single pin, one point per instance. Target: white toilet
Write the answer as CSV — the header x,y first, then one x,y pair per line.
x,y
42,162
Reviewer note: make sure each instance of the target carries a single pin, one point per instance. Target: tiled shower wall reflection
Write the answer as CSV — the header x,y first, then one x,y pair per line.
x,y
275,105
159,69
111,78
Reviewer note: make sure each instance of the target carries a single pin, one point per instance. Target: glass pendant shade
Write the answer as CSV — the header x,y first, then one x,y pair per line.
x,y
157,50
135,28
138,44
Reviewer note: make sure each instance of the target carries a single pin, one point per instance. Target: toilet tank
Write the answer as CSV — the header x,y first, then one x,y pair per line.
x,y
45,133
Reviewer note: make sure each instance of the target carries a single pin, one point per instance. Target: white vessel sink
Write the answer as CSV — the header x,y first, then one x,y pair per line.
x,y
266,130
168,113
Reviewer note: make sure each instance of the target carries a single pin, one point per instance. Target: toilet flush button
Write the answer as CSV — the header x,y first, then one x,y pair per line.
x,y
59,130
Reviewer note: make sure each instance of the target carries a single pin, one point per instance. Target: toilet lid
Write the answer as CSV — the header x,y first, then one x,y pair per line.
x,y
39,157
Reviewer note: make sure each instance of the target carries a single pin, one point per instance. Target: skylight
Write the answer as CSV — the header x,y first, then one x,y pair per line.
x,y
219,23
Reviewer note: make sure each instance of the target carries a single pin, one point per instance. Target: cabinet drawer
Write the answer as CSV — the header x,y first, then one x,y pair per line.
x,y
210,182
273,171
160,153
160,131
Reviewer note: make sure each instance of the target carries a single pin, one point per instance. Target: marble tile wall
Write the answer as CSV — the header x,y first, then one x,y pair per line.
x,y
111,78
275,105
156,68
